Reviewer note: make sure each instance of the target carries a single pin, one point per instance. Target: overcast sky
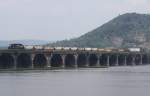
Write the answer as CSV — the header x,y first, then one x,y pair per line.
x,y
60,19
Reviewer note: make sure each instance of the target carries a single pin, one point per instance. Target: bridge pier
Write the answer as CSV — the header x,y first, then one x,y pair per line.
x,y
98,60
32,58
76,58
108,58
141,63
48,58
63,61
117,60
87,61
133,61
15,56
125,62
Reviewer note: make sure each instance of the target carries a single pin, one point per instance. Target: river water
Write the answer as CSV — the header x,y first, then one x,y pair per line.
x,y
117,81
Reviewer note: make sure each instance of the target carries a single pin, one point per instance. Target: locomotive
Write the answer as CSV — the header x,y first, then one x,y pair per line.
x,y
16,46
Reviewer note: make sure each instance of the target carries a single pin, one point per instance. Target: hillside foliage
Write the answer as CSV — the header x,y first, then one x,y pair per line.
x,y
127,30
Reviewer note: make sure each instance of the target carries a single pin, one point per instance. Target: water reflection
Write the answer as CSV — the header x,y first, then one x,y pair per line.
x,y
120,81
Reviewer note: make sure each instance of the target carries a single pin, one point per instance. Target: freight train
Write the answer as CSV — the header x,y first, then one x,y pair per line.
x,y
39,47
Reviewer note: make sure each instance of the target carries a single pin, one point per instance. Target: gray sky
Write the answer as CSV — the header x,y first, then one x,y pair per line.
x,y
60,19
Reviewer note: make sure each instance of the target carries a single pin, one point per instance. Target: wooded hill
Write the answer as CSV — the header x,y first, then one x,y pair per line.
x,y
127,30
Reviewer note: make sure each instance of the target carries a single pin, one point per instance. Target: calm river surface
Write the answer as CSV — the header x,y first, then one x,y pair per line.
x,y
119,81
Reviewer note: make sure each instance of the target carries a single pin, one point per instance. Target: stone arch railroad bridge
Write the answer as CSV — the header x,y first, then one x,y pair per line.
x,y
32,59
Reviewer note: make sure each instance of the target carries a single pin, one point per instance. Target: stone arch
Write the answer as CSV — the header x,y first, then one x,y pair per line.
x,y
39,61
82,60
6,61
24,61
113,59
56,60
137,59
121,59
93,59
130,59
70,60
145,59
103,59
